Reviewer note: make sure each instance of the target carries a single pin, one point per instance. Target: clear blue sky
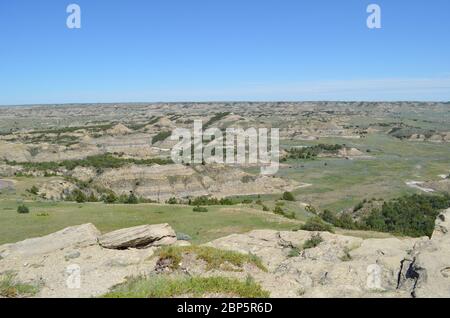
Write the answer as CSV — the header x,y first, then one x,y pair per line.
x,y
202,50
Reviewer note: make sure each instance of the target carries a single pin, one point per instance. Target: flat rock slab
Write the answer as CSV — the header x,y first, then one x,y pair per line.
x,y
139,237
75,236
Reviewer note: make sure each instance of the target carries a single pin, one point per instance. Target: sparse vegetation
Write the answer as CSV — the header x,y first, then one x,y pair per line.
x,y
104,161
199,201
217,117
312,242
10,287
294,252
163,135
213,257
34,190
313,151
279,210
316,224
165,287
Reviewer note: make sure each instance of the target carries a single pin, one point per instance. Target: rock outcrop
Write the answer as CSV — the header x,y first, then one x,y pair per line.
x,y
343,266
139,237
72,263
161,182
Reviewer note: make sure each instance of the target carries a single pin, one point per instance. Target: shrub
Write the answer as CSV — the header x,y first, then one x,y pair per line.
x,y
294,252
34,190
200,209
346,221
213,257
314,241
23,209
110,198
79,196
10,287
132,199
329,217
278,210
288,196
316,224
172,201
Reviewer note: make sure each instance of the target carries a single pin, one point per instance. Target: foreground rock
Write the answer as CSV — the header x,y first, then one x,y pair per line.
x,y
77,237
344,266
72,263
139,237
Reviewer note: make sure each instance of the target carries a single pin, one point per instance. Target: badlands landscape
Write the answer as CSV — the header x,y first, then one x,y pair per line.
x,y
358,208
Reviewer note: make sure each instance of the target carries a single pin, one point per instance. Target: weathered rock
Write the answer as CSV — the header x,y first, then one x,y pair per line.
x,y
343,266
139,237
59,261
75,236
425,269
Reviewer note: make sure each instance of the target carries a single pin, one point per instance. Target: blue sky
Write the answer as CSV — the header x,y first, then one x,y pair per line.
x,y
203,50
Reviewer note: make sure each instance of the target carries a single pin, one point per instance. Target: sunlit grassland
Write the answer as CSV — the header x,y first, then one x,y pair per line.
x,y
48,217
340,183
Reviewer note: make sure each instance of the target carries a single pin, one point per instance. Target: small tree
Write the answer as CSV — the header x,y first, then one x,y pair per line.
x,y
288,196
132,199
80,197
110,198
329,217
23,209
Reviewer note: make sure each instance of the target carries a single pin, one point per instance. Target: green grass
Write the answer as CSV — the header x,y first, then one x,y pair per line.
x,y
202,227
165,287
213,257
10,287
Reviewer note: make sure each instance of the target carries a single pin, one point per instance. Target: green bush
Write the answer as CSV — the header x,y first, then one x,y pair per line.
x,y
316,224
288,196
314,241
23,209
110,198
34,190
412,215
279,210
204,200
79,196
132,199
200,209
172,201
329,217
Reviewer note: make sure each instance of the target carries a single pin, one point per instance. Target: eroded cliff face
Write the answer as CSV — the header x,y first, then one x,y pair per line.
x,y
340,266
163,182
